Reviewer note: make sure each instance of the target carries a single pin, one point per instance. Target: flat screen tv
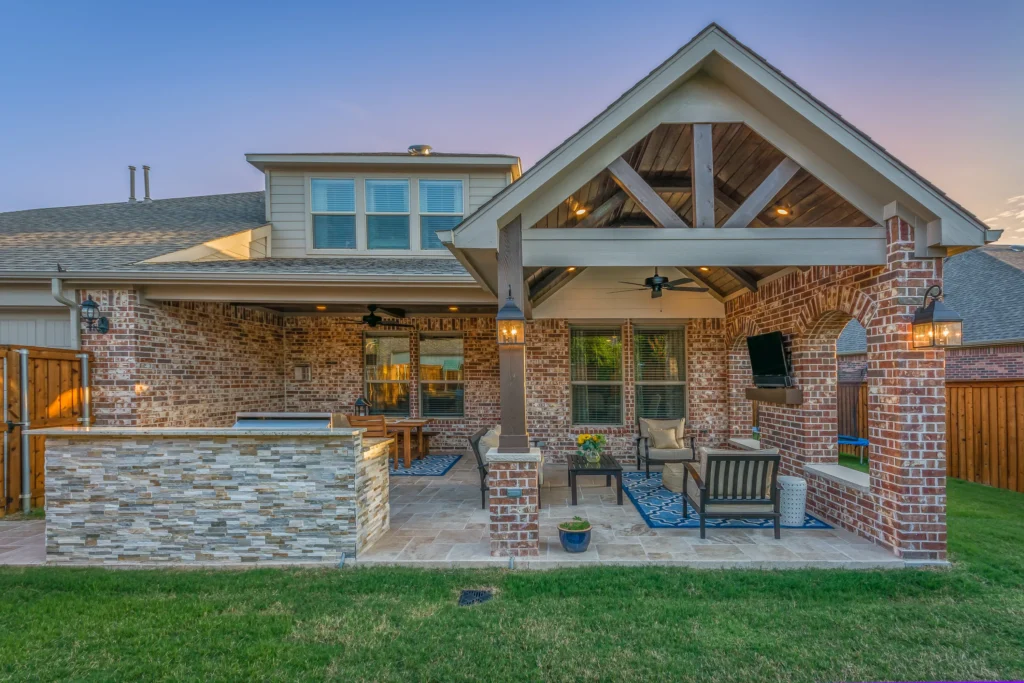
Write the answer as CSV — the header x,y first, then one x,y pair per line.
x,y
768,360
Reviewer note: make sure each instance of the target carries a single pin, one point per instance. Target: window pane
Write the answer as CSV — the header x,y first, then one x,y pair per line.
x,y
387,232
334,232
441,359
429,225
596,404
387,196
440,196
660,355
388,399
443,399
333,195
386,358
596,355
661,402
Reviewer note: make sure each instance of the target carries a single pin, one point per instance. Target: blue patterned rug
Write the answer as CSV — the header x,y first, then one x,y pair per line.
x,y
430,466
663,509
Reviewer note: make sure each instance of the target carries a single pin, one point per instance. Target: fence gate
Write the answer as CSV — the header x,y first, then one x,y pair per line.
x,y
51,385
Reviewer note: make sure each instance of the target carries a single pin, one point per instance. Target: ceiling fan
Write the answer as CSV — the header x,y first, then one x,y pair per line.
x,y
658,283
373,320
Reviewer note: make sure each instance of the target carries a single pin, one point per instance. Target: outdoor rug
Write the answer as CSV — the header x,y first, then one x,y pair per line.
x,y
663,509
430,466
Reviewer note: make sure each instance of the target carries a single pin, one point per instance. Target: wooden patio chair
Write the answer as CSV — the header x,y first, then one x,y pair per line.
x,y
376,428
728,484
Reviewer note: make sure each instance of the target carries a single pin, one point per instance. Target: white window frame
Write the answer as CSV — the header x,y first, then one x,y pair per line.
x,y
415,249
407,213
460,214
313,214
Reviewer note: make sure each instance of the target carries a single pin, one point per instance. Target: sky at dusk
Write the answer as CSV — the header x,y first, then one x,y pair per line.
x,y
87,88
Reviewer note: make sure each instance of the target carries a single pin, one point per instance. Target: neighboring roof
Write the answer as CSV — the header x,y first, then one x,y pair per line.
x,y
664,78
261,161
985,286
111,236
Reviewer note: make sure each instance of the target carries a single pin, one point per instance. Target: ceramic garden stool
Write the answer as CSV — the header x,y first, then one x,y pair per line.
x,y
672,476
793,504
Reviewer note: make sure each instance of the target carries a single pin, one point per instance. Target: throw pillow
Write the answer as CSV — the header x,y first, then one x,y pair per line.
x,y
664,439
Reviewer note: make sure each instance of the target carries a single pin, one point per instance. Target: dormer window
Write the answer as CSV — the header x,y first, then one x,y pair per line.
x,y
387,214
333,202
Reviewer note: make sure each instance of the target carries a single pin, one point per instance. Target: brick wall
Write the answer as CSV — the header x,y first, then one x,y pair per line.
x,y
853,369
906,388
186,364
514,522
969,363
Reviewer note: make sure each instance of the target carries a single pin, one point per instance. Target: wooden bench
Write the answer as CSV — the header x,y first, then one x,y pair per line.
x,y
426,441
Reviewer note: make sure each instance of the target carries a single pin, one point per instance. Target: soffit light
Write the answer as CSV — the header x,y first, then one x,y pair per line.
x,y
782,211
580,211
321,308
704,269
453,309
935,324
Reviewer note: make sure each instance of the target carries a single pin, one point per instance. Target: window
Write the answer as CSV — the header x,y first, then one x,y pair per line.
x,y
442,388
386,367
333,203
659,356
440,209
596,374
387,214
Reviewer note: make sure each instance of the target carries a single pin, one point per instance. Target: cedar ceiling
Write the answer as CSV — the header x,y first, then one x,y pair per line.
x,y
742,159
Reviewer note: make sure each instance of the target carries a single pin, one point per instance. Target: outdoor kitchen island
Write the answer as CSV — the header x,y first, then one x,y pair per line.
x,y
158,496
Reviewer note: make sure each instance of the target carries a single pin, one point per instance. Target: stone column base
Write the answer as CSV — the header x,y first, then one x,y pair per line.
x,y
515,520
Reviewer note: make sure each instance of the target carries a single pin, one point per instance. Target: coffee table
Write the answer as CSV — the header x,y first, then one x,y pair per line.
x,y
579,465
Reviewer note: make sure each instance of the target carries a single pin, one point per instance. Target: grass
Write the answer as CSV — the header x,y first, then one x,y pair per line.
x,y
853,462
601,623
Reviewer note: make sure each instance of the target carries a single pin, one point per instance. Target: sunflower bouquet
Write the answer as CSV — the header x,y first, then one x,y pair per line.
x,y
590,446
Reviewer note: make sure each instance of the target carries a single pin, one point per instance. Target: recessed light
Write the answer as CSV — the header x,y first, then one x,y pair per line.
x,y
321,308
580,211
705,269
782,211
453,309
571,268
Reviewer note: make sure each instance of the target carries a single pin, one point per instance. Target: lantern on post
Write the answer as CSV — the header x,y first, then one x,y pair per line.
x,y
511,323
362,406
94,322
935,324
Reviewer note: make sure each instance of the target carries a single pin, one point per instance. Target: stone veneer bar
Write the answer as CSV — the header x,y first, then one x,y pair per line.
x,y
158,496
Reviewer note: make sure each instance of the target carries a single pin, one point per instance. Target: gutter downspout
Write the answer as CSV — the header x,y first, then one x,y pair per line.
x,y
57,290
26,492
86,418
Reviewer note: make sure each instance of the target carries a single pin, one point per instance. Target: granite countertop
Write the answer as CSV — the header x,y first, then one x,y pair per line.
x,y
188,431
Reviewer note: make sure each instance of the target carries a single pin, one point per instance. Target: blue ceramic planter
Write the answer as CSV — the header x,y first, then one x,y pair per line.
x,y
574,541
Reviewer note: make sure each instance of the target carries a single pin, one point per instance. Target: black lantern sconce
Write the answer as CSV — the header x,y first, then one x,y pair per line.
x,y
94,322
935,324
362,406
511,323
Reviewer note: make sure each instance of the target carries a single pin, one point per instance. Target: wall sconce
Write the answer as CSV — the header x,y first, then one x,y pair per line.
x,y
511,323
935,324
94,322
362,406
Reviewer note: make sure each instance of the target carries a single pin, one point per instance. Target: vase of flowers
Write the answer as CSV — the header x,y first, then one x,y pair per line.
x,y
590,446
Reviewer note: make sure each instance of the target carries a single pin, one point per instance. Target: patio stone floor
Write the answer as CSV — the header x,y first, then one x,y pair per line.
x,y
23,542
438,522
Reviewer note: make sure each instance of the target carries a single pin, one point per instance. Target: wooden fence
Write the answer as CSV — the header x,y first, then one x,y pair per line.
x,y
55,400
985,432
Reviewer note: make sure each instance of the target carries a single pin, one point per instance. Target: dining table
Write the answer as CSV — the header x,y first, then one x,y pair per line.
x,y
406,426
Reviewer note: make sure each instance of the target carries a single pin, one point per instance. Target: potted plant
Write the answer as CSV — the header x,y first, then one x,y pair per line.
x,y
575,535
590,446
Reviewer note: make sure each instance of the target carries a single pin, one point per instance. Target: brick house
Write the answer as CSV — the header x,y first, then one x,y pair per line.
x,y
987,287
715,168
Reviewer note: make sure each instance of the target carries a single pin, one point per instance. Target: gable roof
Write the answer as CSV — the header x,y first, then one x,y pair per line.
x,y
985,286
109,236
714,40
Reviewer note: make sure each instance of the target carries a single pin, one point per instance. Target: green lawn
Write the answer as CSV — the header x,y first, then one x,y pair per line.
x,y
600,623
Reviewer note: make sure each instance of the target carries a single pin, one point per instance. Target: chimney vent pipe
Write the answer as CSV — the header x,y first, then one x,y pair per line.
x,y
145,179
131,177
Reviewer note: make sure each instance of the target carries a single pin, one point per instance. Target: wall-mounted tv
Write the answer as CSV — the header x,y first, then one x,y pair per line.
x,y
768,360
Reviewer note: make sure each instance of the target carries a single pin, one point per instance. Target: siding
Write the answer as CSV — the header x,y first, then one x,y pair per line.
x,y
288,207
49,328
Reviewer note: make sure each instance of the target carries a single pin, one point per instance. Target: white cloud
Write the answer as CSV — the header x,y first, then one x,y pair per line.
x,y
1016,200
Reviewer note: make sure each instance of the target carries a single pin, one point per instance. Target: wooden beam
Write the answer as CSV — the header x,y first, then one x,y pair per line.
x,y
765,192
739,247
510,263
512,359
703,173
549,286
682,183
606,209
696,275
644,195
745,278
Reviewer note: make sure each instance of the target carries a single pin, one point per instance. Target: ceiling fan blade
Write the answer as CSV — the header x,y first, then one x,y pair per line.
x,y
635,284
620,291
680,281
394,312
687,289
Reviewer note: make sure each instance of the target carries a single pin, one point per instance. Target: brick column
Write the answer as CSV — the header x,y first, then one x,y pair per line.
x,y
906,408
515,520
